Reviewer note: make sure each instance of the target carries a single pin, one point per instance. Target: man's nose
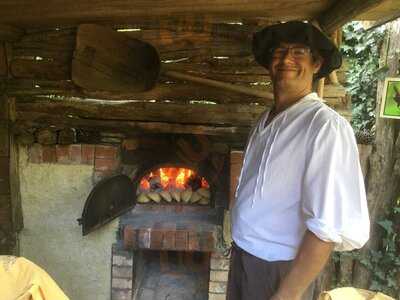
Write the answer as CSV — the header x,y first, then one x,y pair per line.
x,y
287,56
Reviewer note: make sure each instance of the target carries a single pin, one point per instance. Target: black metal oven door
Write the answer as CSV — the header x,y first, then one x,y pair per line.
x,y
109,199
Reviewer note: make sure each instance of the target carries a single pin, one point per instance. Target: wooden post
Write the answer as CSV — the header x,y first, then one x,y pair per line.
x,y
320,88
383,179
7,234
332,76
10,208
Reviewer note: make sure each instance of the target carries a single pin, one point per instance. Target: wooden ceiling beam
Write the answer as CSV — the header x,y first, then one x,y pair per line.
x,y
31,13
344,11
10,33
131,111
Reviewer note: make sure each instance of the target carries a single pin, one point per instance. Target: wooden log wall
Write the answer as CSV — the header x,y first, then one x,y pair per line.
x,y
230,123
41,62
39,67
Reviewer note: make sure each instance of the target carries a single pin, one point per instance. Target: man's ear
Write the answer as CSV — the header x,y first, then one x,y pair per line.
x,y
318,64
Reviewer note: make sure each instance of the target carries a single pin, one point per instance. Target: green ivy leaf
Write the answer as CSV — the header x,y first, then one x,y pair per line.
x,y
387,225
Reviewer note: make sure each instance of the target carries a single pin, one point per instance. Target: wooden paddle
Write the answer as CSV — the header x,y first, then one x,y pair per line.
x,y
107,60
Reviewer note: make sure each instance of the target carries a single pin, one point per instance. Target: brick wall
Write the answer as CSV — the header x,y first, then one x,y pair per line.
x,y
122,273
219,268
104,158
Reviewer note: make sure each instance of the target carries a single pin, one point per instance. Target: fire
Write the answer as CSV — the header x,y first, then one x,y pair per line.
x,y
204,183
183,176
171,179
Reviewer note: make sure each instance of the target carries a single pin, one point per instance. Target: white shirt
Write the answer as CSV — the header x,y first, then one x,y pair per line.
x,y
300,172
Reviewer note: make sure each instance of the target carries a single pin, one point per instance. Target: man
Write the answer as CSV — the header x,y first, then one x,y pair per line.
x,y
301,191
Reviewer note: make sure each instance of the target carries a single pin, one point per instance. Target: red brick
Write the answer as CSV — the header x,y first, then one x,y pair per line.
x,y
88,154
130,144
206,241
169,240
130,238
181,240
109,152
35,154
75,153
193,243
156,239
49,154
62,153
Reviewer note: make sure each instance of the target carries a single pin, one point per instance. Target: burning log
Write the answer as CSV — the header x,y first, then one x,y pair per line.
x,y
174,184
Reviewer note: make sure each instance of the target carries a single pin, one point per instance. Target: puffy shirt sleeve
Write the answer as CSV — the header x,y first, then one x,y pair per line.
x,y
334,203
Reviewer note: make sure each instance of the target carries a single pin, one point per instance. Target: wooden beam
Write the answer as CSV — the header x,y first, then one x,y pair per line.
x,y
191,114
10,33
387,10
29,121
388,18
44,13
3,61
176,92
344,11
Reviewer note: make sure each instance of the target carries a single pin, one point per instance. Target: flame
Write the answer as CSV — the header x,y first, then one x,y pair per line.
x,y
183,176
204,183
144,184
170,178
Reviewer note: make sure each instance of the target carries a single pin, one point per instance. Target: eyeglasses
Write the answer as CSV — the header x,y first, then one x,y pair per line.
x,y
295,52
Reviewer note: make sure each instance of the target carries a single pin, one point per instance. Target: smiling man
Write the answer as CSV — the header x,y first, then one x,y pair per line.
x,y
301,192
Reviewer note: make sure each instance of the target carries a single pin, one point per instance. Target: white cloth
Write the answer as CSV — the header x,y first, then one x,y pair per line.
x,y
300,172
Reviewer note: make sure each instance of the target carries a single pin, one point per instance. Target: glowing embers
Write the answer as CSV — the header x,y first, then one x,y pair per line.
x,y
174,185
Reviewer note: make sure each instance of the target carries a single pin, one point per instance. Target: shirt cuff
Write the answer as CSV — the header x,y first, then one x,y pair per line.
x,y
344,241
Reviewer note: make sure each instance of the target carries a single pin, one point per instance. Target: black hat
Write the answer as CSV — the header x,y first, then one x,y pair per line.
x,y
296,32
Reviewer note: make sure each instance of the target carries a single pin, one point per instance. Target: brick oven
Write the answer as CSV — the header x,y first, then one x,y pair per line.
x,y
170,193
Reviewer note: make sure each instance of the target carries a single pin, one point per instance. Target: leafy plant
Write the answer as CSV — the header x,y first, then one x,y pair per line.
x,y
361,49
384,264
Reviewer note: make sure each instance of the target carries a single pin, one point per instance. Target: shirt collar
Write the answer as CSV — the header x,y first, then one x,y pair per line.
x,y
311,97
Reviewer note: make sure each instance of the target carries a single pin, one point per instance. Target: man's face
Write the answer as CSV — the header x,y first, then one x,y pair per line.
x,y
292,67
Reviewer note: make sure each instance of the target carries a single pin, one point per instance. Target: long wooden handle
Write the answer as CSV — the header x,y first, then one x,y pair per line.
x,y
219,84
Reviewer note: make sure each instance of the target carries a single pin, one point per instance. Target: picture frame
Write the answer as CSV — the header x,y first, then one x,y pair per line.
x,y
390,105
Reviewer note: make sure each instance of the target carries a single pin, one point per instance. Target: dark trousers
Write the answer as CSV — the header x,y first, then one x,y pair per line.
x,y
252,278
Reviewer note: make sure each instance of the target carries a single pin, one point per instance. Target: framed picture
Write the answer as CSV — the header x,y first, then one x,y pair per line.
x,y
390,106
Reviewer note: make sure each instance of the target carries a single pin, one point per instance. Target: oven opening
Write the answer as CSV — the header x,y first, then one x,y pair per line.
x,y
174,185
